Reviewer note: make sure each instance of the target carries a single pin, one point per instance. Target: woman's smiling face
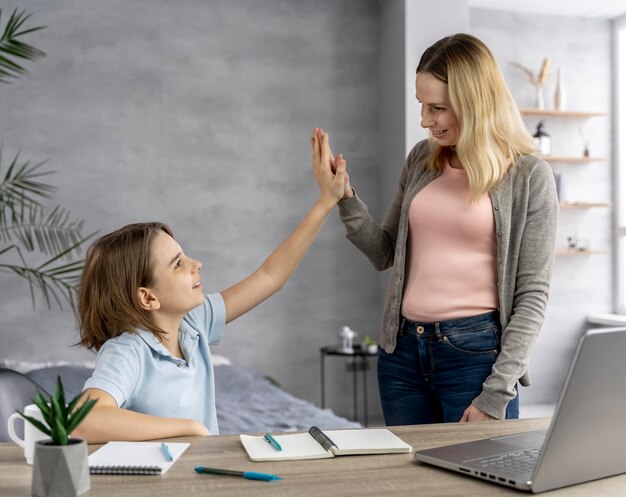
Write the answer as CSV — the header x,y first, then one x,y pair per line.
x,y
437,114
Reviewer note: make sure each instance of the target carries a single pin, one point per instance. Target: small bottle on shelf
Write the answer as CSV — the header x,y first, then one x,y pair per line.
x,y
542,140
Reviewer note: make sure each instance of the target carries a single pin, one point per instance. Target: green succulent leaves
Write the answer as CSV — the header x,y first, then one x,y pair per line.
x,y
60,419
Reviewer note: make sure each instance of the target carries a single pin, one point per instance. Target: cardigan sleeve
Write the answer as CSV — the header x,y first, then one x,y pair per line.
x,y
376,242
529,263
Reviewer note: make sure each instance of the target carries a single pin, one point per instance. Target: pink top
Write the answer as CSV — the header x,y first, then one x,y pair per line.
x,y
451,267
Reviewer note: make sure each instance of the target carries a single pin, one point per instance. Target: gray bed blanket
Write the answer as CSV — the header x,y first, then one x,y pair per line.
x,y
247,402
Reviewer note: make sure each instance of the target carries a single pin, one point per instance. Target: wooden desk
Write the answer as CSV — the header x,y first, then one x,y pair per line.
x,y
378,475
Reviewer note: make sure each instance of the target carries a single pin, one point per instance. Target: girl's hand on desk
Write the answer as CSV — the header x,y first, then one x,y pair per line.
x,y
474,414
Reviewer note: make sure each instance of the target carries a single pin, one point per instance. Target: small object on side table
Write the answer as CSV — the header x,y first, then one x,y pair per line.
x,y
359,358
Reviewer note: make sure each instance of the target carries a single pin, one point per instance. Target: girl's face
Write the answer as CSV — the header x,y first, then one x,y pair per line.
x,y
437,114
176,283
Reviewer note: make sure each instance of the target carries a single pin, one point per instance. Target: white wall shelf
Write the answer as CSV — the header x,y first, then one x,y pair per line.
x,y
526,111
573,160
574,252
582,205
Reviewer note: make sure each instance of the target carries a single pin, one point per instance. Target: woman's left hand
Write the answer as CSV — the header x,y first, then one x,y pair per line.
x,y
472,413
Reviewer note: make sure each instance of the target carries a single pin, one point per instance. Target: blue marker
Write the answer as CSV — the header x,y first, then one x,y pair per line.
x,y
273,441
250,475
166,452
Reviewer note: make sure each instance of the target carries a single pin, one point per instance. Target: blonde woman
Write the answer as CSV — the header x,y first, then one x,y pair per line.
x,y
469,238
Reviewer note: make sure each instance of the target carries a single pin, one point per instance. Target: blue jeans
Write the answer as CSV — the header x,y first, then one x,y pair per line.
x,y
437,369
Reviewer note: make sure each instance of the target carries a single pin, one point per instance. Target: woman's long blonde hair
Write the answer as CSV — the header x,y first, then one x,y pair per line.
x,y
492,132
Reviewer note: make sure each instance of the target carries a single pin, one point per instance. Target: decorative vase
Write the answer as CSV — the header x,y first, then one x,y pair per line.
x,y
540,102
60,470
559,93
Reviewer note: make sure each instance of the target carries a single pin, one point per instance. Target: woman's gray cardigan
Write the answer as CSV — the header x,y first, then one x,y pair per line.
x,y
525,209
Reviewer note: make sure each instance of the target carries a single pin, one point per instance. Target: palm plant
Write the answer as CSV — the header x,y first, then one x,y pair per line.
x,y
29,230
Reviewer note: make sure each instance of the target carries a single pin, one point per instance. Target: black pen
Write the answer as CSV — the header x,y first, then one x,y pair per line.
x,y
250,475
322,438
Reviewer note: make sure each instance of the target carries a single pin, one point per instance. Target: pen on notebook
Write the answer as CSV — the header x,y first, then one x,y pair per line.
x,y
166,452
250,475
273,441
321,438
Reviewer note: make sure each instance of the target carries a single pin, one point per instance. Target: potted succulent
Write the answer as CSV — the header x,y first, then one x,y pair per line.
x,y
60,465
369,345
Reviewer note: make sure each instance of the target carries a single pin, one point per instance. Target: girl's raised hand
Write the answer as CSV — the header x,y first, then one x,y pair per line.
x,y
331,183
323,158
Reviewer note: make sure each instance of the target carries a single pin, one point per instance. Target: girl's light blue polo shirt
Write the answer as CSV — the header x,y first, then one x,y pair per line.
x,y
143,376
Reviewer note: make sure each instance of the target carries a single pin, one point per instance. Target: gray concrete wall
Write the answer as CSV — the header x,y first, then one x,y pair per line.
x,y
581,284
198,113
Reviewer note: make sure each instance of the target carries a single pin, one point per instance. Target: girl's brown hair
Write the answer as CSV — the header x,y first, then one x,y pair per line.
x,y
492,132
117,265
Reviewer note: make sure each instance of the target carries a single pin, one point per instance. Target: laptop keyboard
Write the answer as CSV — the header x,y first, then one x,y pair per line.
x,y
511,463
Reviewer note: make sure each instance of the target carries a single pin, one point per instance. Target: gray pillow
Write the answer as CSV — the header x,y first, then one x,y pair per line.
x,y
73,378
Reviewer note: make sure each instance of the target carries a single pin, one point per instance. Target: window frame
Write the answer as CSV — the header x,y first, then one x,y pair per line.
x,y
619,161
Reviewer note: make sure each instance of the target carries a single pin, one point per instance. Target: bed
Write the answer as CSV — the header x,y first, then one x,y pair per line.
x,y
246,400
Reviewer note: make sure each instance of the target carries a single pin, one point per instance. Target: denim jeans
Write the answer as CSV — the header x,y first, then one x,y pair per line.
x,y
437,369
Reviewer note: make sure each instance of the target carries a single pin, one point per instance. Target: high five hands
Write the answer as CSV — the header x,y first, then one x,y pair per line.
x,y
321,141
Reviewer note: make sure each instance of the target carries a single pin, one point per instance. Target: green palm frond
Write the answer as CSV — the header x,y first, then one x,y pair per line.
x,y
21,186
46,231
26,224
24,219
56,282
11,47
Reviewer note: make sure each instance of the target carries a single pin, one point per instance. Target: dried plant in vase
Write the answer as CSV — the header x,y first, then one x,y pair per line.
x,y
538,81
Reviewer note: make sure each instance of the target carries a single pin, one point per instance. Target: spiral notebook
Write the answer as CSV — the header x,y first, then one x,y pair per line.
x,y
318,444
134,458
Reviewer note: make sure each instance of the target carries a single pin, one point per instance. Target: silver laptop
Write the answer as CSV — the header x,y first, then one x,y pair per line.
x,y
586,439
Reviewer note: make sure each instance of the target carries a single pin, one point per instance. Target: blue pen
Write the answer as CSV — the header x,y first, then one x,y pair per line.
x,y
166,452
250,475
273,441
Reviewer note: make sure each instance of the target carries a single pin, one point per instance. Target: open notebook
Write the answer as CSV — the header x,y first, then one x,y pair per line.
x,y
134,458
317,444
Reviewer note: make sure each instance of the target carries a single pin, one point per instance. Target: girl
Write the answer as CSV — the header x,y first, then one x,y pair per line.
x,y
142,307
470,239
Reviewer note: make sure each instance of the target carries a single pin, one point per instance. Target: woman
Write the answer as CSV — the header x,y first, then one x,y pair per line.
x,y
470,239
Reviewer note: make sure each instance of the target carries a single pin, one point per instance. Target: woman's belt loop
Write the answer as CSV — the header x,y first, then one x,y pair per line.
x,y
438,332
402,322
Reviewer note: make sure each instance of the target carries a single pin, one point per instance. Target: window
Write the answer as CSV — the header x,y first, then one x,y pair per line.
x,y
620,162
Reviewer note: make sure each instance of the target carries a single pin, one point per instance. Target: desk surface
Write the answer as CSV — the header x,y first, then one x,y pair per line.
x,y
373,475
